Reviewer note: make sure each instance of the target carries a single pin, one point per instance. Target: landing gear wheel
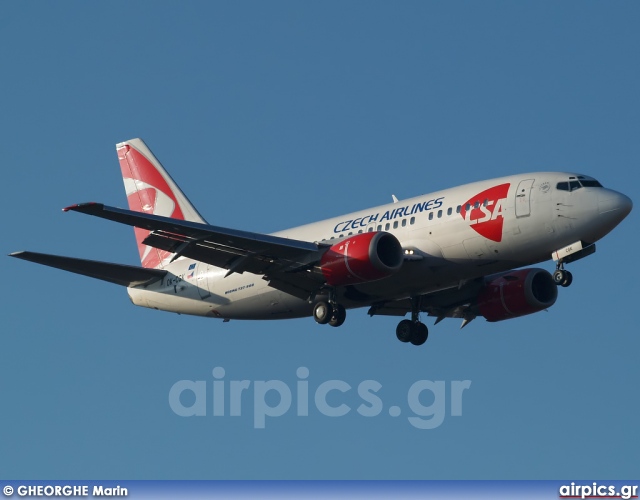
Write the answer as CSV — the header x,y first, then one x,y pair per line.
x,y
559,276
404,330
568,279
322,312
338,316
562,278
420,333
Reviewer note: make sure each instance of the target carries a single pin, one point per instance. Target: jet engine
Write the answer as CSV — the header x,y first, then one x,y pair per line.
x,y
362,258
517,293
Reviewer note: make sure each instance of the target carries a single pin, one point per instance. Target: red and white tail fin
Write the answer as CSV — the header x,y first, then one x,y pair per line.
x,y
150,189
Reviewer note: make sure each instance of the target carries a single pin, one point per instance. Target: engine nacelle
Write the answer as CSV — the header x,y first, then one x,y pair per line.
x,y
517,293
362,258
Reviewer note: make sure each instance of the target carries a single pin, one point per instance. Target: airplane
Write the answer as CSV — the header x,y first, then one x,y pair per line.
x,y
456,253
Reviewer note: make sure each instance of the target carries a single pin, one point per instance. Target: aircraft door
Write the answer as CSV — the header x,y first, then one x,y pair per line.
x,y
202,280
523,198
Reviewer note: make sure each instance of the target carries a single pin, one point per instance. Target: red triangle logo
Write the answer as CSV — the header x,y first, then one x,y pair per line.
x,y
483,212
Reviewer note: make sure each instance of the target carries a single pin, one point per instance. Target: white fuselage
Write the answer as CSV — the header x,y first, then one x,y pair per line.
x,y
449,237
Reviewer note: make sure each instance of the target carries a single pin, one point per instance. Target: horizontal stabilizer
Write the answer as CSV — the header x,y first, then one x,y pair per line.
x,y
119,274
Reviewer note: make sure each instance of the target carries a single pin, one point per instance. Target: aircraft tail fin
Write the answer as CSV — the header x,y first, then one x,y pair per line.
x,y
151,190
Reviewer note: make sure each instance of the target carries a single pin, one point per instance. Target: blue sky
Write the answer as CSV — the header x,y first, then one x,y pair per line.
x,y
274,114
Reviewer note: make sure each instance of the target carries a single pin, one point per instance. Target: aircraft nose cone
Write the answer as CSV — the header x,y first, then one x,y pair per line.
x,y
612,201
626,205
613,208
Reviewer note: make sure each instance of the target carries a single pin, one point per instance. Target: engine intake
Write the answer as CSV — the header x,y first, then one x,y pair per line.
x,y
362,258
517,293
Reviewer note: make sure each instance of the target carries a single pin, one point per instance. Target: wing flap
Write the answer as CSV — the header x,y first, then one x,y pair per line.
x,y
119,274
391,308
300,285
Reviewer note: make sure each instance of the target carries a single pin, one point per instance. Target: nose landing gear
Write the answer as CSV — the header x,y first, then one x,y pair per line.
x,y
562,277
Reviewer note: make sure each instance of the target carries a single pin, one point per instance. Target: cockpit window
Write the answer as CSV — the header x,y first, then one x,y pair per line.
x,y
573,184
591,183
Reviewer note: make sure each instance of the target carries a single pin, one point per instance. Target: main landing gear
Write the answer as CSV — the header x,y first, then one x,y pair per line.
x,y
329,312
412,330
562,277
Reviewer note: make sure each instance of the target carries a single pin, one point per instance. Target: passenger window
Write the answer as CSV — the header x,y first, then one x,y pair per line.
x,y
395,225
430,215
387,226
370,230
449,211
467,207
458,209
439,213
485,202
360,231
413,220
404,222
380,227
476,204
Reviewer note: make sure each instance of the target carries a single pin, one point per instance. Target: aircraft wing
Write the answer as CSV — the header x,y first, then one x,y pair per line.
x,y
119,274
288,263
